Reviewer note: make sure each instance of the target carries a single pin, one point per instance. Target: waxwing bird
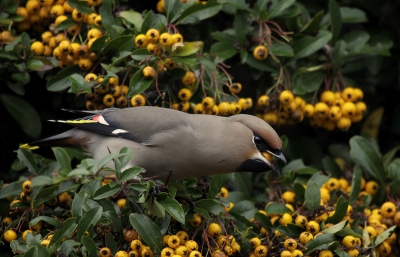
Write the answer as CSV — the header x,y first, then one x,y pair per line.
x,y
173,144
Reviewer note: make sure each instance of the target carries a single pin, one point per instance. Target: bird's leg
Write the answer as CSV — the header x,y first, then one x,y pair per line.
x,y
167,180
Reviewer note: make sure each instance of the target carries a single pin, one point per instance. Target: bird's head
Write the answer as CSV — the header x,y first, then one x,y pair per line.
x,y
265,145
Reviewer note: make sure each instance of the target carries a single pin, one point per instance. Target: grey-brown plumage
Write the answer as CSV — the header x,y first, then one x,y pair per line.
x,y
168,142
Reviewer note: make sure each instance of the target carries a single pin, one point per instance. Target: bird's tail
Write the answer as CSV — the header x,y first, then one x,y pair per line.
x,y
56,140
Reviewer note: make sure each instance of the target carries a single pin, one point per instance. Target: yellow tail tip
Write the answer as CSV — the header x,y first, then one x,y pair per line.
x,y
27,146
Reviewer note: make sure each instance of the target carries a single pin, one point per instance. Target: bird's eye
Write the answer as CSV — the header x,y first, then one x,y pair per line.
x,y
257,140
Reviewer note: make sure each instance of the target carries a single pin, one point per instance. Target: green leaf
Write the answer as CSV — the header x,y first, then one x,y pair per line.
x,y
77,203
317,242
347,231
62,158
187,48
61,81
23,113
241,26
37,251
319,179
148,230
367,157
312,195
281,49
68,228
216,183
291,230
211,206
313,24
278,7
110,243
335,228
105,191
309,45
336,20
130,173
11,190
340,211
153,21
133,17
299,191
264,220
88,219
42,180
307,82
383,236
277,208
172,207
90,246
138,83
355,41
198,12
339,54
81,6
119,44
331,167
27,158
352,15
25,40
68,246
107,17
35,64
394,175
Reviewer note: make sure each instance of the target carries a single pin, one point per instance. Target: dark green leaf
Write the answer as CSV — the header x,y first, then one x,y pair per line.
x,y
25,40
241,26
119,44
291,230
107,17
66,24
24,114
62,158
216,183
68,228
264,220
277,7
317,242
340,212
133,17
336,20
68,246
42,180
148,231
312,195
308,82
110,243
348,231
82,6
335,228
88,219
11,190
77,203
105,191
130,173
27,158
281,49
355,41
331,167
138,83
211,206
299,191
309,45
277,208
90,246
367,157
339,54
61,81
223,50
153,21
312,25
319,179
172,207
198,12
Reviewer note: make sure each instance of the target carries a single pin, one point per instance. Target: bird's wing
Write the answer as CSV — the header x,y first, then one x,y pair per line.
x,y
98,123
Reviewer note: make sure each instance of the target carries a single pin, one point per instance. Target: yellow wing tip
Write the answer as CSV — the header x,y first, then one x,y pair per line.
x,y
27,146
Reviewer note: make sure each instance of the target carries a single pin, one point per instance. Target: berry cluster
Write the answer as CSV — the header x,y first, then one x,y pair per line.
x,y
334,110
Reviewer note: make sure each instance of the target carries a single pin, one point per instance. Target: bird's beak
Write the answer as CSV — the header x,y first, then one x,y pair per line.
x,y
269,160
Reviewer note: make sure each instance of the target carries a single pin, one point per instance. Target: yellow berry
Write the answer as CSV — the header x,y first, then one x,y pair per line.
x,y
185,94
189,78
141,41
166,39
138,100
388,209
343,123
224,108
37,48
235,88
149,72
214,229
176,38
260,53
290,244
27,186
153,35
328,97
371,187
286,97
10,235
348,94
305,237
